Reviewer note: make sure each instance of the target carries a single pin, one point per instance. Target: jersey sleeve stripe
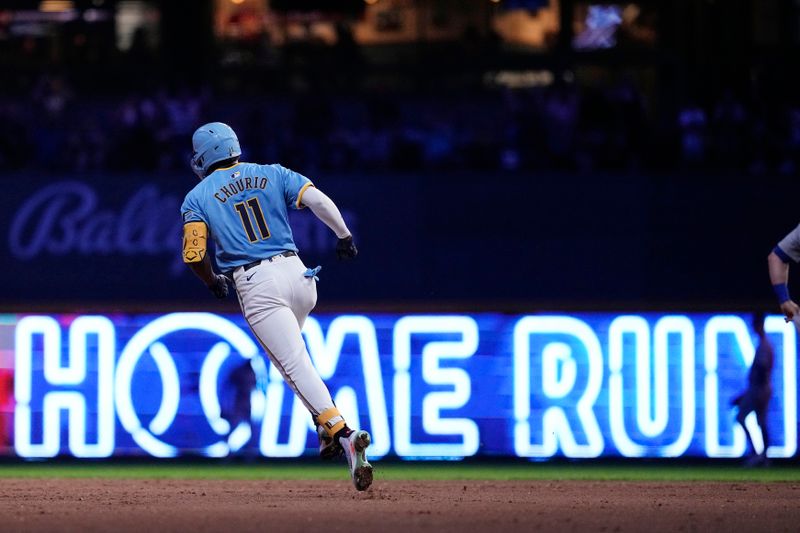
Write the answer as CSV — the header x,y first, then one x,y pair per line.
x,y
783,255
300,194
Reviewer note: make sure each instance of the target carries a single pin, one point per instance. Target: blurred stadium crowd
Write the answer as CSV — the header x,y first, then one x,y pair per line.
x,y
564,126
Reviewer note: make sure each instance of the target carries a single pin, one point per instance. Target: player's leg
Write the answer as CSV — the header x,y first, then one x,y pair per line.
x,y
748,404
302,297
745,408
265,296
761,416
353,444
280,336
303,294
747,433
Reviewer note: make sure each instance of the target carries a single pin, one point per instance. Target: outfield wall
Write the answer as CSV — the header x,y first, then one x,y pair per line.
x,y
426,386
464,237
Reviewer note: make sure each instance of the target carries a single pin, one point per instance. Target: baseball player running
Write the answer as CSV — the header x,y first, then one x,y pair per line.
x,y
759,390
245,206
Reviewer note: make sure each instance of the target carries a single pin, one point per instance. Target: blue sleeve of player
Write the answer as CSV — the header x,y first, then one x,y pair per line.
x,y
191,210
294,185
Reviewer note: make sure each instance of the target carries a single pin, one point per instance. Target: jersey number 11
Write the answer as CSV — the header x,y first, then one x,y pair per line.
x,y
247,215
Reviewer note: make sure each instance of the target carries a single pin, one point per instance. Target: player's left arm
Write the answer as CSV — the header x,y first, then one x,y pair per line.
x,y
195,239
325,210
300,192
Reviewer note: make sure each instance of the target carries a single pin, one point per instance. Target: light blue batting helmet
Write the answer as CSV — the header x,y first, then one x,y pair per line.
x,y
211,143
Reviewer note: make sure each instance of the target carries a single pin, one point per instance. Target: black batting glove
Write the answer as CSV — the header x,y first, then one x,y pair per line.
x,y
220,286
346,249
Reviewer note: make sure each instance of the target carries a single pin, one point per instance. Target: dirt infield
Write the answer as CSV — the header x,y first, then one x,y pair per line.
x,y
147,506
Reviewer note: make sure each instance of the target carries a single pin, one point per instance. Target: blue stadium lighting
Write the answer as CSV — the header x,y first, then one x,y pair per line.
x,y
426,386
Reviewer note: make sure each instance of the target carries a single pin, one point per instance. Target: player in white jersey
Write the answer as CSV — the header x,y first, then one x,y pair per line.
x,y
786,251
244,207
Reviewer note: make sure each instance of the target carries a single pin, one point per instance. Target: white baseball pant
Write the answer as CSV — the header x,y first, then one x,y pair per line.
x,y
276,298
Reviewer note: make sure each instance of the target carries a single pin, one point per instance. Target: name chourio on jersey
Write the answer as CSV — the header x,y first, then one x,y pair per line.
x,y
245,207
240,185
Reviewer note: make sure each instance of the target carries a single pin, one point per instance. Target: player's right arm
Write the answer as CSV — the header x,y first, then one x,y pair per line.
x,y
195,247
778,263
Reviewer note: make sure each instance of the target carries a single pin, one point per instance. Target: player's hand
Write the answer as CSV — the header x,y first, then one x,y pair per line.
x,y
345,248
220,286
790,310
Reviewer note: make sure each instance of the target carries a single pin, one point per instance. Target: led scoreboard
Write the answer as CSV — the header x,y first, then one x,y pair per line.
x,y
426,386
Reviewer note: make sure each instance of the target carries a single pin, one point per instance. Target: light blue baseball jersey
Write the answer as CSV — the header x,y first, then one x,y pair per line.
x,y
246,210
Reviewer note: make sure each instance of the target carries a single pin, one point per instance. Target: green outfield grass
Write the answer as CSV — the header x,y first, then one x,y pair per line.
x,y
408,471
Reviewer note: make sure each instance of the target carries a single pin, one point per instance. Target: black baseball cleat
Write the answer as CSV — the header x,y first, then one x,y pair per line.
x,y
329,447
